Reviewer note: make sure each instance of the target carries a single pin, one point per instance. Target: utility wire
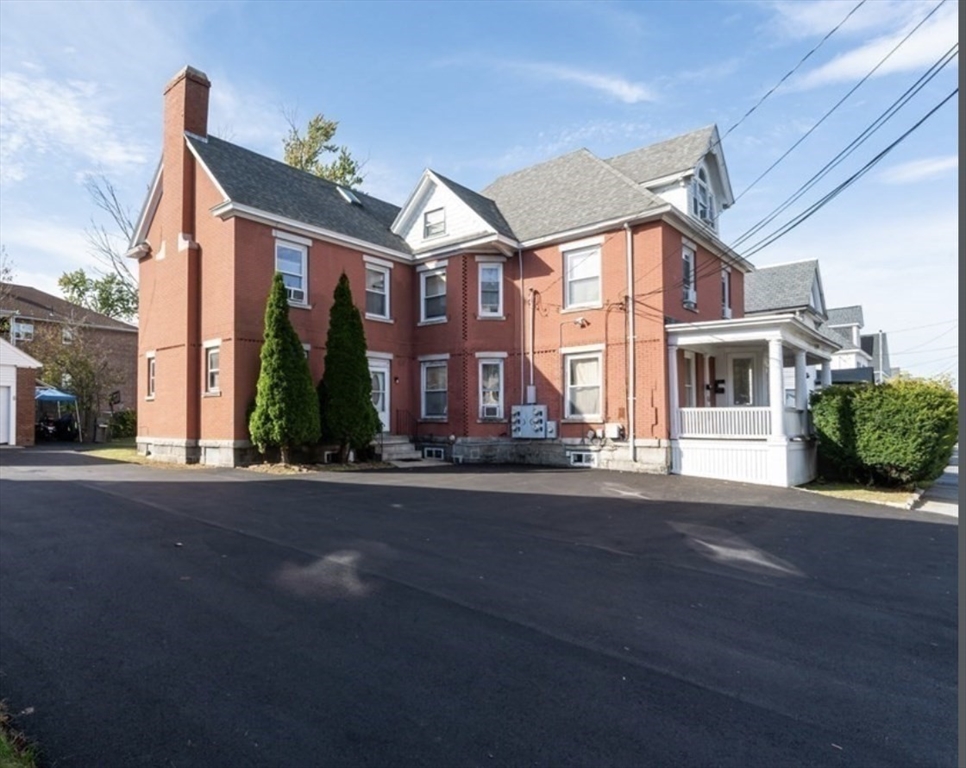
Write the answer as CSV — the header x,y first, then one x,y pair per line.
x,y
907,96
792,71
841,101
923,351
814,208
934,338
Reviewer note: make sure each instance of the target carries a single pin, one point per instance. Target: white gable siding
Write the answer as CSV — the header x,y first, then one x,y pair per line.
x,y
675,193
461,222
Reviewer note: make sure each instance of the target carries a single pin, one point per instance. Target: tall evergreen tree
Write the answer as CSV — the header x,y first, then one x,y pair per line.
x,y
286,407
345,392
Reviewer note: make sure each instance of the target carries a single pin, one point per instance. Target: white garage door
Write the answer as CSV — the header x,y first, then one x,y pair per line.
x,y
4,415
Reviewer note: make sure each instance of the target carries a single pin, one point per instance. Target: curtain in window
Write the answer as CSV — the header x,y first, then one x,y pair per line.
x,y
585,386
376,292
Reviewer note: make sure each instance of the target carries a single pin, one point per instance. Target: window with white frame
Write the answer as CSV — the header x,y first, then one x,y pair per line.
x,y
377,291
688,277
434,389
491,290
582,277
151,373
433,295
491,389
702,199
583,385
690,397
290,261
213,369
726,292
67,335
23,331
434,223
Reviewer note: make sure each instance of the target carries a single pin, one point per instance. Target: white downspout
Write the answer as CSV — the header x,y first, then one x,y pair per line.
x,y
531,390
632,340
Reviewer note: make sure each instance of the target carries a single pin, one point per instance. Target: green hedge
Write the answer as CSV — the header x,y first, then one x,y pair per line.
x,y
897,433
124,424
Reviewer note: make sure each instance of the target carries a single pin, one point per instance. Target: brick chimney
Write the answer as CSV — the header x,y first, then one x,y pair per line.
x,y
185,110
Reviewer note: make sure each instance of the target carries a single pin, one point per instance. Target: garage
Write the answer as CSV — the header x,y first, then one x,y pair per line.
x,y
17,379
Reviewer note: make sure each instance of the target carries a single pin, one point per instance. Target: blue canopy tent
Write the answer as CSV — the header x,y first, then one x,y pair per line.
x,y
48,394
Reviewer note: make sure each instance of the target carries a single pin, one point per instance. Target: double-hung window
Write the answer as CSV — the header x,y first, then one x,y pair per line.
x,y
434,389
434,223
23,331
491,290
491,388
702,199
212,368
583,386
433,295
582,277
726,293
152,369
688,277
377,291
290,261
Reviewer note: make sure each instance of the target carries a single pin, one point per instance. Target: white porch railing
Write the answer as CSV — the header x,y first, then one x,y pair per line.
x,y
724,422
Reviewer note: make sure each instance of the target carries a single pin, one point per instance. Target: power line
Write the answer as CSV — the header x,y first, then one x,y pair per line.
x,y
934,338
923,351
920,327
814,208
792,71
841,101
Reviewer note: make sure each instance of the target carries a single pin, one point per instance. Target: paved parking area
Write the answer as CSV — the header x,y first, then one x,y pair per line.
x,y
468,617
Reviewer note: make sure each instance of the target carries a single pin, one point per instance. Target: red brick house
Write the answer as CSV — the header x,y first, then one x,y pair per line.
x,y
563,288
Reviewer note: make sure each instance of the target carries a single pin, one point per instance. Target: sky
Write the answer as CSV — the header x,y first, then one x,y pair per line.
x,y
477,90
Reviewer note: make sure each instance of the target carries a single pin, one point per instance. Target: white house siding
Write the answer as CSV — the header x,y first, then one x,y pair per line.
x,y
675,193
8,410
461,221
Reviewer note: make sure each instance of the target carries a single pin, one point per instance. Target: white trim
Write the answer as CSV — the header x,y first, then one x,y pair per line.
x,y
378,262
211,176
211,343
423,366
567,358
229,208
433,358
494,355
498,361
581,349
282,235
688,243
489,259
423,276
587,242
152,353
303,277
210,390
386,273
378,355
593,250
455,248
148,210
601,226
429,266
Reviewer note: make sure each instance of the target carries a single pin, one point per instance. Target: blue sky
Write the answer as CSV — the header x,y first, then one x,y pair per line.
x,y
478,90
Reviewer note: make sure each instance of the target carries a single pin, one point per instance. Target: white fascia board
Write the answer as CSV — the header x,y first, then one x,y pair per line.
x,y
410,204
378,262
661,181
148,210
201,162
599,227
440,182
11,355
760,328
228,209
716,150
509,246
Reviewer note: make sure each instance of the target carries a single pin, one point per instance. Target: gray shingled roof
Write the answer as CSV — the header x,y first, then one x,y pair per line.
x,y
846,316
575,190
681,153
782,287
32,304
484,207
272,186
870,345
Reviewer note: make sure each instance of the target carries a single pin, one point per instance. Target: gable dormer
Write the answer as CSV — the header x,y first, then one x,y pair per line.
x,y
441,215
688,171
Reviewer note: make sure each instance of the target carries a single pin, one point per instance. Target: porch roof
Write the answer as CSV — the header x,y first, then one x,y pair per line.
x,y
789,329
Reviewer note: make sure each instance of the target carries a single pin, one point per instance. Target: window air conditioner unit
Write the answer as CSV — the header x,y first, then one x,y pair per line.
x,y
296,294
491,411
690,298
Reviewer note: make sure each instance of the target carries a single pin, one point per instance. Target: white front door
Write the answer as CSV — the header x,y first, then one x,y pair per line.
x,y
379,372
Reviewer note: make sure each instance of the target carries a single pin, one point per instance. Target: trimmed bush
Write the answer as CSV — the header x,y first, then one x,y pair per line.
x,y
124,424
897,433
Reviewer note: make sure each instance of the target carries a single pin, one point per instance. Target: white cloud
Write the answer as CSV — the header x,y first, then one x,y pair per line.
x,y
919,170
249,116
815,19
40,116
628,91
923,48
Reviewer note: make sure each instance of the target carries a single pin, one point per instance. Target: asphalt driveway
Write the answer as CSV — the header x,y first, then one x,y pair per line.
x,y
495,617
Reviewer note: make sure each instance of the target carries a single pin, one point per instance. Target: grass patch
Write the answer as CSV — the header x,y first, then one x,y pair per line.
x,y
893,497
15,750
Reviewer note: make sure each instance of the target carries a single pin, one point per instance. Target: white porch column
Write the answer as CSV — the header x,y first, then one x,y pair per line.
x,y
826,374
673,398
801,382
776,388
707,381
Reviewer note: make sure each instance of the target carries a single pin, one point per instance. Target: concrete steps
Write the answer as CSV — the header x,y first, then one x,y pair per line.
x,y
396,448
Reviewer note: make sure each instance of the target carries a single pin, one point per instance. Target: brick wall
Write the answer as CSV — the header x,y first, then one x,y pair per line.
x,y
25,405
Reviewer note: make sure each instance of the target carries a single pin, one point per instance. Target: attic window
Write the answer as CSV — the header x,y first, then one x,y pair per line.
x,y
702,199
434,223
349,196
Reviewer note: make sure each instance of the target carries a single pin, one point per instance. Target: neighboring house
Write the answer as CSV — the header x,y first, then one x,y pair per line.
x,y
18,375
577,311
863,357
29,311
876,346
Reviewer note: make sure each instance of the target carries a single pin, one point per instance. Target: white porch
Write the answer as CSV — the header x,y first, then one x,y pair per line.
x,y
728,416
